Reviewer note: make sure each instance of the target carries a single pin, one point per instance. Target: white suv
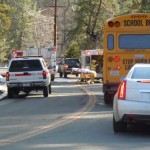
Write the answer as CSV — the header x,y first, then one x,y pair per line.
x,y
27,74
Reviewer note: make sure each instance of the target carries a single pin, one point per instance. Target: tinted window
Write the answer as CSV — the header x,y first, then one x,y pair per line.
x,y
72,61
141,73
25,65
134,41
87,59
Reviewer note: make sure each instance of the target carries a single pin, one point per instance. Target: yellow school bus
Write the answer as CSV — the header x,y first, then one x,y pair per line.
x,y
126,42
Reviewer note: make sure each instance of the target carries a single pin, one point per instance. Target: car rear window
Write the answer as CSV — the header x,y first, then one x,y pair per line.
x,y
141,73
25,65
72,61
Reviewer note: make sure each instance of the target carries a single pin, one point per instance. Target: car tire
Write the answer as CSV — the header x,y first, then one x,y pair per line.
x,y
46,91
108,98
65,75
10,93
52,77
119,126
26,91
16,91
50,89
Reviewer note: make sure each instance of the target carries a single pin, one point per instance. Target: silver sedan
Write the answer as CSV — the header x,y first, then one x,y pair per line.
x,y
132,101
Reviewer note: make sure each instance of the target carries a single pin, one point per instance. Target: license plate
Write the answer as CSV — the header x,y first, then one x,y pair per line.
x,y
26,84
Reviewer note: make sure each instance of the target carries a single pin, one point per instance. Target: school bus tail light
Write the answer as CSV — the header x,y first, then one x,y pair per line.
x,y
118,67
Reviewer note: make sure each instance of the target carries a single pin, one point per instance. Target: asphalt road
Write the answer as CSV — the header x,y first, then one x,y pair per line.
x,y
73,117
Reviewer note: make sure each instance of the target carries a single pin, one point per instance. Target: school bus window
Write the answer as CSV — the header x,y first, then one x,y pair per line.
x,y
110,44
134,41
87,59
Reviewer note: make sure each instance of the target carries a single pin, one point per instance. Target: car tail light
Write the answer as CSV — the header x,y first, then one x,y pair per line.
x,y
66,67
44,74
7,76
122,90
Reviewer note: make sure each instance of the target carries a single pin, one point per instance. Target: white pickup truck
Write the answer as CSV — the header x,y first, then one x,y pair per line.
x,y
27,74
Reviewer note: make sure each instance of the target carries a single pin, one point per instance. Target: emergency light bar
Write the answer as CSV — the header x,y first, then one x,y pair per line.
x,y
93,52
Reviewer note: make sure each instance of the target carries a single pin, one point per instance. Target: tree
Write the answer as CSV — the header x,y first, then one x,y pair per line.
x,y
20,33
87,25
145,6
5,22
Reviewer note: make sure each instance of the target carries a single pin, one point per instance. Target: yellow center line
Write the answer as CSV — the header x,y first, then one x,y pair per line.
x,y
62,121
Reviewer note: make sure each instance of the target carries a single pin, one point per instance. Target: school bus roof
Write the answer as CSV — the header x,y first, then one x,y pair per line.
x,y
128,22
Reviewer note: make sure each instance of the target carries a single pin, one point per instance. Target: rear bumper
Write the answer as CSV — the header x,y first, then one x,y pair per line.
x,y
136,118
110,87
27,84
132,111
68,71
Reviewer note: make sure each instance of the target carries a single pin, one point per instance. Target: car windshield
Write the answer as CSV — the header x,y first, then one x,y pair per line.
x,y
25,65
141,73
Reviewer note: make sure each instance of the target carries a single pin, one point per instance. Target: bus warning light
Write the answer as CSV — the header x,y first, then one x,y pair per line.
x,y
118,67
110,24
117,24
116,58
110,59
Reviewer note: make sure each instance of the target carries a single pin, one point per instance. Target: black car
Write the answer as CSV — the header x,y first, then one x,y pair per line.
x,y
66,65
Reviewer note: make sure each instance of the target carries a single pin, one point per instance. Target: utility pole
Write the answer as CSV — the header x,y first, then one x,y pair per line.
x,y
55,24
55,6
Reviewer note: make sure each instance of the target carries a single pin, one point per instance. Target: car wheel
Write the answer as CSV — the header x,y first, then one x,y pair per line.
x,y
52,77
10,93
50,89
65,75
60,74
119,126
26,91
45,91
16,91
108,98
